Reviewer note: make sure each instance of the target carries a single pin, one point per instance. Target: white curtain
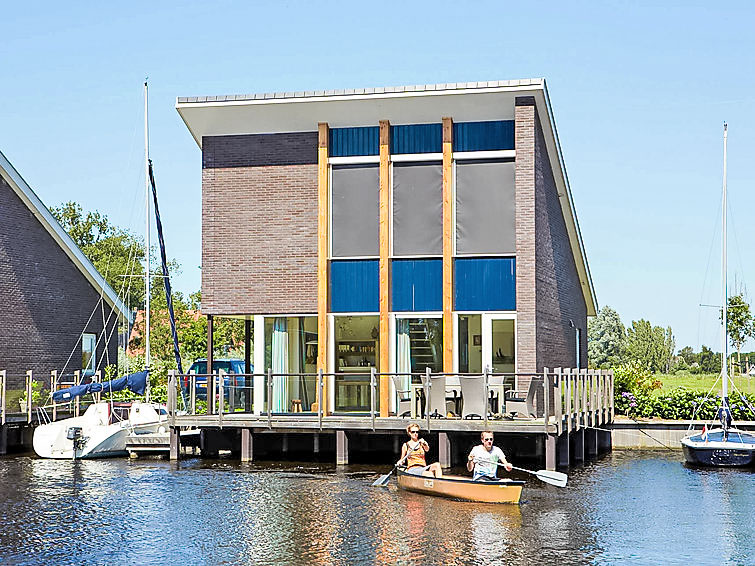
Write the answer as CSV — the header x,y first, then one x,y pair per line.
x,y
403,352
280,365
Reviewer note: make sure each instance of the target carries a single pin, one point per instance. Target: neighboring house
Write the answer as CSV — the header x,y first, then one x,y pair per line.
x,y
53,302
401,228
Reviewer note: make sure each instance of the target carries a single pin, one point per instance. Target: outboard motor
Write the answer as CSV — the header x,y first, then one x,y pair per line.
x,y
74,433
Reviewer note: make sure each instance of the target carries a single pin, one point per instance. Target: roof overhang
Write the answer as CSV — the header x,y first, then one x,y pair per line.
x,y
66,243
464,102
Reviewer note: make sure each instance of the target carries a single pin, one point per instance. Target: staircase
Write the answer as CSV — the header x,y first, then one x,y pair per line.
x,y
422,349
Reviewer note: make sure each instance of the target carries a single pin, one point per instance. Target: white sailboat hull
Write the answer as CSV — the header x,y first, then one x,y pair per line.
x,y
100,437
735,449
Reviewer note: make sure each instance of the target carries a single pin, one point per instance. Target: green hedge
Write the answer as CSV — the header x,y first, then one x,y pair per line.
x,y
683,404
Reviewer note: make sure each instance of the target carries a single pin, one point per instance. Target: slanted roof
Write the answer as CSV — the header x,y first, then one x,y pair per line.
x,y
66,243
464,102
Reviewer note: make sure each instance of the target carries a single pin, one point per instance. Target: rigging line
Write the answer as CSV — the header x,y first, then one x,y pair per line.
x,y
742,397
637,430
697,407
707,271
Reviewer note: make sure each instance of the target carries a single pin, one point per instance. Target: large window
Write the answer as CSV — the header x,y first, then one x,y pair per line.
x,y
291,348
485,207
355,210
357,347
88,353
417,209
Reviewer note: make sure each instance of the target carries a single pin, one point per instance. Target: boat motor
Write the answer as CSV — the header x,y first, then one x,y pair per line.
x,y
75,434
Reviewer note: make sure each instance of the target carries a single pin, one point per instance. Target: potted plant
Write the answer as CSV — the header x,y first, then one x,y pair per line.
x,y
36,396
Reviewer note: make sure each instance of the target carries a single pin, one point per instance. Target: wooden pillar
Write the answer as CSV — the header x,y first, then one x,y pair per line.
x,y
605,444
385,264
591,442
247,365
175,443
247,445
342,448
448,247
550,451
316,443
210,384
323,206
444,450
3,440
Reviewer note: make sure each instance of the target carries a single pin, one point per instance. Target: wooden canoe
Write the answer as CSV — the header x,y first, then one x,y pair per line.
x,y
457,487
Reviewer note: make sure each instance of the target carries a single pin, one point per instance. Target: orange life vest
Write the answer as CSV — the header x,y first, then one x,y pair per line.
x,y
416,457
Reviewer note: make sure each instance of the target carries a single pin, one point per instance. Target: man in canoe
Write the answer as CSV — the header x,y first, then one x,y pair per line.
x,y
484,459
413,451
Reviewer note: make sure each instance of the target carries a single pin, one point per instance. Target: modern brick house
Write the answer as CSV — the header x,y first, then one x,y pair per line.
x,y
53,302
399,228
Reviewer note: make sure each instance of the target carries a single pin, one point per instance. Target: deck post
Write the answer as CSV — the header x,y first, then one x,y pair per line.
x,y
342,448
605,443
546,401
76,402
316,443
591,442
53,389
247,445
175,443
3,440
444,450
550,451
29,381
3,374
562,450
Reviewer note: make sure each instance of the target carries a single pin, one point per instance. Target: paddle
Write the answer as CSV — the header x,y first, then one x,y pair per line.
x,y
383,480
558,479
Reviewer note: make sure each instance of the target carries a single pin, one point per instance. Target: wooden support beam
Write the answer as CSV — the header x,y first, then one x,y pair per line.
x,y
175,443
247,445
444,450
385,264
448,247
342,448
323,206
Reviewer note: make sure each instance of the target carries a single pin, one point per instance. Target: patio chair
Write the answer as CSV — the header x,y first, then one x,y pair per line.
x,y
404,406
473,397
437,405
523,402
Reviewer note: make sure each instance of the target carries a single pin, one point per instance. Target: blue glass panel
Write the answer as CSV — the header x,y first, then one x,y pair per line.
x,y
485,284
417,138
483,136
354,286
346,142
417,285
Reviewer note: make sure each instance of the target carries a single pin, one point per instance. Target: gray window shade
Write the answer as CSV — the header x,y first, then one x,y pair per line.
x,y
355,208
417,209
485,208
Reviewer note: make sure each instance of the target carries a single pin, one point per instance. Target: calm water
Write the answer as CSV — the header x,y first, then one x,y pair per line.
x,y
628,508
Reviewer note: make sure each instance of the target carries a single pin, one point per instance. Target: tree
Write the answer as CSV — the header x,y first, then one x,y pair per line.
x,y
740,324
606,339
651,346
116,253
710,361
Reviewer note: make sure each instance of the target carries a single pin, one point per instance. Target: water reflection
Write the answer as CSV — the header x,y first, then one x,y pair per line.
x,y
636,508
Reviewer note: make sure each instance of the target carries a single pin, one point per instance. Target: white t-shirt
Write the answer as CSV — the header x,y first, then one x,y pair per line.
x,y
486,462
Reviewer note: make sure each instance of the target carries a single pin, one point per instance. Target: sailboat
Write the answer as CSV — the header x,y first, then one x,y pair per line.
x,y
105,427
724,445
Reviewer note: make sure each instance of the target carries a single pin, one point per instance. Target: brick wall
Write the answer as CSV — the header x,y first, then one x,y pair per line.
x,y
45,301
259,224
524,131
559,295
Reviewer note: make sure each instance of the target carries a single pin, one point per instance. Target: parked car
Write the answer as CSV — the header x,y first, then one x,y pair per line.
x,y
232,381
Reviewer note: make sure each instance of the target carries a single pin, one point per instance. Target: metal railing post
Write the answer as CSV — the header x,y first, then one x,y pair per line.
x,y
269,397
172,395
53,389
372,395
221,396
193,393
428,385
486,400
29,380
319,396
3,373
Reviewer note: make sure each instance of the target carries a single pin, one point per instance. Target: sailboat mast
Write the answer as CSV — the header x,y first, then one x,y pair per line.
x,y
724,291
147,359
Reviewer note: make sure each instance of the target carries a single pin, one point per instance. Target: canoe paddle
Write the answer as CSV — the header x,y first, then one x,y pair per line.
x,y
382,481
558,479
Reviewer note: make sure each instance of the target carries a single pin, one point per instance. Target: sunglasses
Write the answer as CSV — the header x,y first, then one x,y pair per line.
x,y
487,440
413,432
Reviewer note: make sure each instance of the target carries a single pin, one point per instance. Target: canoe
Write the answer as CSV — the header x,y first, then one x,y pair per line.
x,y
457,487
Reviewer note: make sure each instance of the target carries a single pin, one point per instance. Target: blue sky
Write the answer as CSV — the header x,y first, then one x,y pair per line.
x,y
639,92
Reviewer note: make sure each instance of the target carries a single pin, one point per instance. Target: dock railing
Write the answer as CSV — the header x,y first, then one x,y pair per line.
x,y
565,398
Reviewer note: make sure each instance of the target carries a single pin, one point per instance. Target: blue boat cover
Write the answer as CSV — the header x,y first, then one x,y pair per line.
x,y
135,382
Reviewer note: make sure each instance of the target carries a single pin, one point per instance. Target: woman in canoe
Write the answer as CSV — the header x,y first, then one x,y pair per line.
x,y
413,451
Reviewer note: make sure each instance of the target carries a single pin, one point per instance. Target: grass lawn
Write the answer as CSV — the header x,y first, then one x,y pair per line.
x,y
703,382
